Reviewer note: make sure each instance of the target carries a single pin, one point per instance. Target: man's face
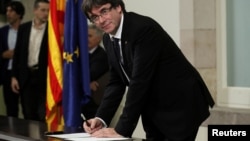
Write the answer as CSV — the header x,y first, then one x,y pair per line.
x,y
12,16
42,12
93,39
106,17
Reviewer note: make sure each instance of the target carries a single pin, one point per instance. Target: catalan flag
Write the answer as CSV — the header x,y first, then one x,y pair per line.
x,y
76,90
54,113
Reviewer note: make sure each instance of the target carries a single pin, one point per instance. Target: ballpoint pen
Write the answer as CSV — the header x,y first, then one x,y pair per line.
x,y
85,120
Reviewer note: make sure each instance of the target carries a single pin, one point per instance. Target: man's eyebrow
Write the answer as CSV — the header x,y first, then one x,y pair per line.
x,y
103,8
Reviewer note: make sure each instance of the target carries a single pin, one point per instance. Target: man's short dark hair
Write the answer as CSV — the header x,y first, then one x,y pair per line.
x,y
17,7
36,4
87,5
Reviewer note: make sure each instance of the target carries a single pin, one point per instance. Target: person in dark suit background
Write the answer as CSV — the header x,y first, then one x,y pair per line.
x,y
29,71
14,14
98,65
163,87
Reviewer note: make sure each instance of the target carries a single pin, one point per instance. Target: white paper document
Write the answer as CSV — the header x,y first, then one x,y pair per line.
x,y
83,137
95,139
71,135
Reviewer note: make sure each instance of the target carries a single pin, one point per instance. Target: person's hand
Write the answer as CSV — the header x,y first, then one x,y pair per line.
x,y
8,54
94,86
106,133
14,85
95,125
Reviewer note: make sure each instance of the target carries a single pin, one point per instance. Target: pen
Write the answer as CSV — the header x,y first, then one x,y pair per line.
x,y
85,120
53,132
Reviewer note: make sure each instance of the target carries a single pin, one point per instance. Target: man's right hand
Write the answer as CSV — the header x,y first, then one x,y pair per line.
x,y
14,85
94,86
95,125
8,54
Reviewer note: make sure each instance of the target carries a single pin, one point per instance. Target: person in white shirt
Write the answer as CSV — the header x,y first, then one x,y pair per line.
x,y
29,73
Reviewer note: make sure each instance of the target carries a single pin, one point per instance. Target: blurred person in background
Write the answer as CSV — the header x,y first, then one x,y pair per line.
x,y
8,35
29,72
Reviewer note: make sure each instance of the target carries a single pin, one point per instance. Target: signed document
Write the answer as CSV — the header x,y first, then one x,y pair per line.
x,y
96,139
83,137
70,135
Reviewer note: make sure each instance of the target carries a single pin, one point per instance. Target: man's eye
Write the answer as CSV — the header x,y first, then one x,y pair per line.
x,y
93,17
104,11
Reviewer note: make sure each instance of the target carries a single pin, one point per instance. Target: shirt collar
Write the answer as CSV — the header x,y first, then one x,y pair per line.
x,y
11,27
42,26
92,50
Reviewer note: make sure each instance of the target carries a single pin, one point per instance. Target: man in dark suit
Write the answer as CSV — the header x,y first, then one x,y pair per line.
x,y
29,71
14,13
163,87
98,65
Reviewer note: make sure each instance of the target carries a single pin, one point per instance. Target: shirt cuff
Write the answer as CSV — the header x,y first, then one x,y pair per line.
x,y
103,122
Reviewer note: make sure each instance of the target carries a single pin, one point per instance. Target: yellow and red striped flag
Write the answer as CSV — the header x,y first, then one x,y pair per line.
x,y
54,115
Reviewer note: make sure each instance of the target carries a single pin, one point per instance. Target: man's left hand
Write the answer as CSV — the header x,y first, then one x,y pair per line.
x,y
106,133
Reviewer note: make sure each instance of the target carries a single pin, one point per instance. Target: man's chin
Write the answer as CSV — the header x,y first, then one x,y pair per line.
x,y
109,31
45,20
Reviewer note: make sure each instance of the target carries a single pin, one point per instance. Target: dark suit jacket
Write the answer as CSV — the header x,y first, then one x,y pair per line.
x,y
4,31
99,67
164,87
98,62
20,68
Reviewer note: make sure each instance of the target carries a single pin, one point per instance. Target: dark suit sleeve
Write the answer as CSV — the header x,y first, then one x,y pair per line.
x,y
21,49
112,97
3,46
1,58
15,63
114,91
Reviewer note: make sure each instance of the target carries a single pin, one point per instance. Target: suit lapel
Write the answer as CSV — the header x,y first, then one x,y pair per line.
x,y
126,46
